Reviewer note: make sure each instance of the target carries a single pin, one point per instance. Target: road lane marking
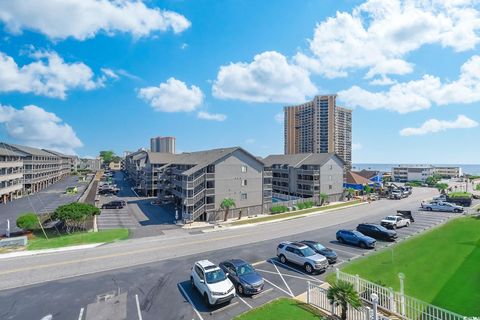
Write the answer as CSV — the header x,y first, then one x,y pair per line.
x,y
115,255
295,270
244,302
291,276
80,316
287,293
190,301
138,308
286,284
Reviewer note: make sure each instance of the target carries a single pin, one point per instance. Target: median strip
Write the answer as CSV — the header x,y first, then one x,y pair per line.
x,y
295,214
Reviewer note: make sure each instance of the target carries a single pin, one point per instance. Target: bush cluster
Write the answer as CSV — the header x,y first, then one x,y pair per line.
x,y
278,209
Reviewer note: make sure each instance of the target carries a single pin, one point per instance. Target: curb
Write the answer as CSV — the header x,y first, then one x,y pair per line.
x,y
47,251
226,227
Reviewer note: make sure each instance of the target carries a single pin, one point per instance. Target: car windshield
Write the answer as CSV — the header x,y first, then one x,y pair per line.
x,y
318,246
245,269
381,228
390,218
215,276
307,252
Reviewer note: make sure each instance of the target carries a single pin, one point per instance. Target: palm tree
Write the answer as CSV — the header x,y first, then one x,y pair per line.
x,y
344,294
323,198
350,193
226,204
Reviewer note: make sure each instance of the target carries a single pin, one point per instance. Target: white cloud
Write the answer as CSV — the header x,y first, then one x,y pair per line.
x,y
420,94
357,146
110,73
280,117
49,75
268,78
434,125
33,126
172,96
250,141
82,19
211,116
378,35
382,81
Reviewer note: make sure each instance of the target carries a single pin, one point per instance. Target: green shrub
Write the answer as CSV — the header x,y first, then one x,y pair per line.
x,y
278,209
414,183
477,187
301,206
459,194
28,221
309,204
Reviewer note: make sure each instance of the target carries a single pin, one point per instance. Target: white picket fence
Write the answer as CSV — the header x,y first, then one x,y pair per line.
x,y
396,303
317,296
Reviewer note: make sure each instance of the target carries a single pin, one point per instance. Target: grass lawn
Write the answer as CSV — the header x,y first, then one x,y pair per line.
x,y
57,241
442,266
293,213
282,308
460,194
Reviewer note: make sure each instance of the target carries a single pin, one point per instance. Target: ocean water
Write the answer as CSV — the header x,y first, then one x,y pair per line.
x,y
473,169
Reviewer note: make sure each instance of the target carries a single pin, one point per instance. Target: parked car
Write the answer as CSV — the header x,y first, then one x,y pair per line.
x,y
118,204
243,276
355,238
212,283
441,206
396,195
377,231
394,222
108,191
441,197
302,255
324,251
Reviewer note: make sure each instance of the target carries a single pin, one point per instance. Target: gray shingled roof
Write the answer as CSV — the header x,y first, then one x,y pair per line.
x,y
10,152
29,150
198,159
296,160
61,155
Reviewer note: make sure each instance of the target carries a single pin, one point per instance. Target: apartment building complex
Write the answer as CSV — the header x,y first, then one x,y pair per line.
x,y
162,144
448,171
11,174
404,173
41,168
319,126
89,164
306,174
198,182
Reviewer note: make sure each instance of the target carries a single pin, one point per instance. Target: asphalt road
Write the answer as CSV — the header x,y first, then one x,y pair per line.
x,y
157,269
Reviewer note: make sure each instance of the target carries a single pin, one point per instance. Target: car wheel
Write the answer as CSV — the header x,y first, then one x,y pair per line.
x,y
408,224
240,289
192,283
362,245
282,258
429,209
308,268
456,211
394,227
340,240
205,299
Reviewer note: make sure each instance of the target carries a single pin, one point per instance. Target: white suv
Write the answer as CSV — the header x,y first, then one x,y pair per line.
x,y
212,283
302,255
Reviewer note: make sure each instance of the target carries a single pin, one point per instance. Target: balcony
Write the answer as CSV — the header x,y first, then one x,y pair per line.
x,y
12,188
267,174
11,164
210,176
210,207
210,192
11,176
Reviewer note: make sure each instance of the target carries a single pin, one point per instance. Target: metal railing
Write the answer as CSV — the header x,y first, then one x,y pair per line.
x,y
398,303
317,296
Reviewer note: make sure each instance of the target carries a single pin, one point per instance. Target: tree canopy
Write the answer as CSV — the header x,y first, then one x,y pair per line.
x,y
28,221
75,214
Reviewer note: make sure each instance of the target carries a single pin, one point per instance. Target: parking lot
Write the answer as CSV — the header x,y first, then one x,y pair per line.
x,y
289,280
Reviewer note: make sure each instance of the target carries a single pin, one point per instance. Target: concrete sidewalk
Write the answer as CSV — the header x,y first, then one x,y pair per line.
x,y
27,253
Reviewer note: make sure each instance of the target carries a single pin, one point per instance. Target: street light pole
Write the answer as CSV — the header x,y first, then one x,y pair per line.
x,y
401,276
374,298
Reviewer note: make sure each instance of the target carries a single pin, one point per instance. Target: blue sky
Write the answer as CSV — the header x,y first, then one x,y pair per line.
x,y
110,75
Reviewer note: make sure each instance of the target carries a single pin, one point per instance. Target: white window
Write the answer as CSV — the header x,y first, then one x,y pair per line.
x,y
244,182
243,196
244,168
330,178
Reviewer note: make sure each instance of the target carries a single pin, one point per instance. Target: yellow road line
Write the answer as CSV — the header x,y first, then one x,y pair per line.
x,y
113,255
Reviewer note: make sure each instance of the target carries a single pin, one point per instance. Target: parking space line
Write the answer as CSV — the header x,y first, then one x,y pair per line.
x,y
190,301
244,302
289,294
138,308
291,276
347,252
258,295
288,267
80,316
280,274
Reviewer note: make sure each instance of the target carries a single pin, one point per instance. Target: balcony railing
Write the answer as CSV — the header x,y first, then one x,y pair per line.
x,y
11,164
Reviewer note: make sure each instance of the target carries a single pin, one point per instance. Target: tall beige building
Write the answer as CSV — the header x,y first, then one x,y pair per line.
x,y
319,126
162,144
